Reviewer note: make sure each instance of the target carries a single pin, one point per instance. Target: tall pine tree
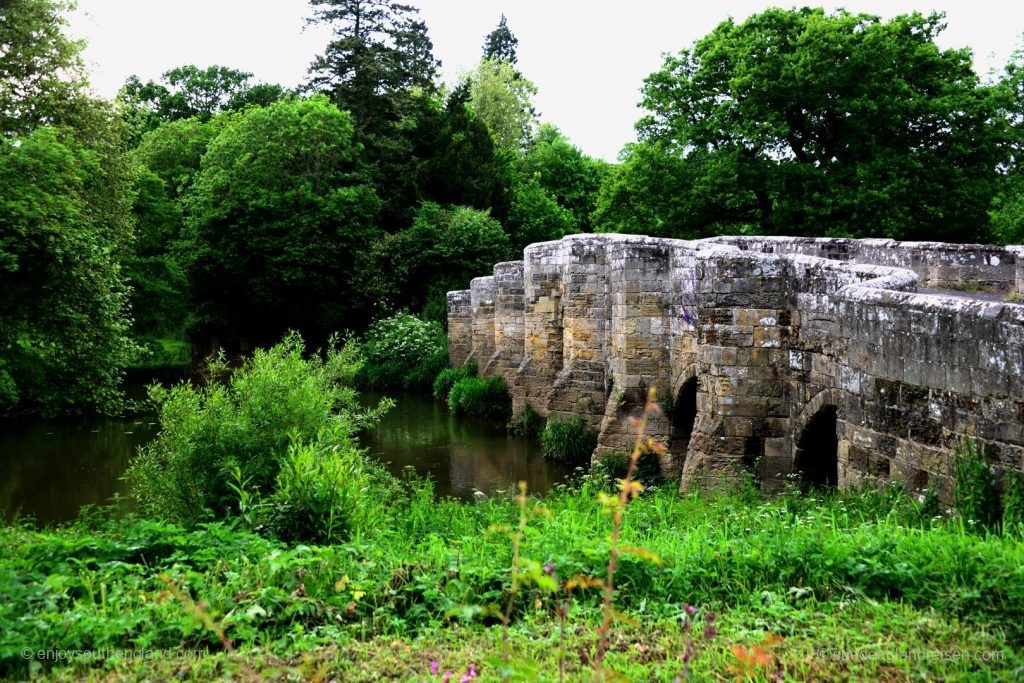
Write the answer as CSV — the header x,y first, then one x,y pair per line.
x,y
380,51
500,44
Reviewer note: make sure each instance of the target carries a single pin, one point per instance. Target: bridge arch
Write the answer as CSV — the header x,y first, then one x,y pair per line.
x,y
816,442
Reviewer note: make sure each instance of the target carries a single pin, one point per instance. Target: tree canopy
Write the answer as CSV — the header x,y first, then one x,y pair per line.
x,y
807,122
503,99
277,215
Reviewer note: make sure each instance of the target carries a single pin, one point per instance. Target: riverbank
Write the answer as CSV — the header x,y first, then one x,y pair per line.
x,y
869,586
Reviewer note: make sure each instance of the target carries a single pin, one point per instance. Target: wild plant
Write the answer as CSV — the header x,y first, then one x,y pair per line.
x,y
529,424
616,506
1013,502
251,508
480,397
525,572
448,377
974,492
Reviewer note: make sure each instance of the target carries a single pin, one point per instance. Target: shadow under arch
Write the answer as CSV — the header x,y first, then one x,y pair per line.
x,y
682,416
816,456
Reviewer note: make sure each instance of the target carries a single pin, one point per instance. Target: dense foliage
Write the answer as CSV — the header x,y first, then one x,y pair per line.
x,y
228,211
277,215
403,351
277,427
807,122
63,313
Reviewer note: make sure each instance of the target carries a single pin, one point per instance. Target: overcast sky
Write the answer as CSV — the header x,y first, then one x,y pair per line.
x,y
588,58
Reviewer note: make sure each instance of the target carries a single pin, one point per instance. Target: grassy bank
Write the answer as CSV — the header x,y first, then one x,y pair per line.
x,y
869,576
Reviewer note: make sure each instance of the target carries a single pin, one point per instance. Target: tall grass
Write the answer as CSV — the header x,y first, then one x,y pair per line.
x,y
480,397
569,441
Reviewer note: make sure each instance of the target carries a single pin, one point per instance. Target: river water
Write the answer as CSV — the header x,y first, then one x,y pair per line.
x,y
51,468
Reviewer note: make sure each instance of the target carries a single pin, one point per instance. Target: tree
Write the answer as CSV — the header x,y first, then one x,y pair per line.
x,y
500,44
569,176
1007,212
536,216
191,92
443,249
655,191
174,150
276,217
63,304
65,221
380,67
42,78
466,167
833,123
168,159
502,98
380,50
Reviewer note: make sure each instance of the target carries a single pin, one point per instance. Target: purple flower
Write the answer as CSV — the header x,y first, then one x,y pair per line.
x,y
690,609
710,632
466,678
549,568
472,671
434,666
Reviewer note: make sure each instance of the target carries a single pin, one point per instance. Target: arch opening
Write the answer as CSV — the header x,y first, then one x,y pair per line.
x,y
683,416
817,451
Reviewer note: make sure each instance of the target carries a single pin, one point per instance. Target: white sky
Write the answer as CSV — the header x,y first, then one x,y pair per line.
x,y
588,58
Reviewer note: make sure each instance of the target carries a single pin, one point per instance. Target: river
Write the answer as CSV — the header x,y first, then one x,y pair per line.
x,y
54,467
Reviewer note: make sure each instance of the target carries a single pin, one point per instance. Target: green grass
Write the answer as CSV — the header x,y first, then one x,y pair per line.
x,y
849,571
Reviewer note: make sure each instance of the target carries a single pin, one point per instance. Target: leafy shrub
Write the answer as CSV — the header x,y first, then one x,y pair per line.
x,y
403,351
447,378
480,397
324,489
247,422
569,441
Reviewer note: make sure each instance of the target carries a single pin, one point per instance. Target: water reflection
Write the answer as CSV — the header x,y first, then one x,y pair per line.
x,y
51,468
460,455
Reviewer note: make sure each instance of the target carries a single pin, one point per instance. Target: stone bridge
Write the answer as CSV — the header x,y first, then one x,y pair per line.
x,y
841,361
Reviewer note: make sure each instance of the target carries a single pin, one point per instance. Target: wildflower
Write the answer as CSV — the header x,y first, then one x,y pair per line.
x,y
434,666
549,568
690,609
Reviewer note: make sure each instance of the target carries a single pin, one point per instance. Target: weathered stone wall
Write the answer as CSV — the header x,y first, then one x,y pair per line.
x,y
460,327
481,301
509,319
754,343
